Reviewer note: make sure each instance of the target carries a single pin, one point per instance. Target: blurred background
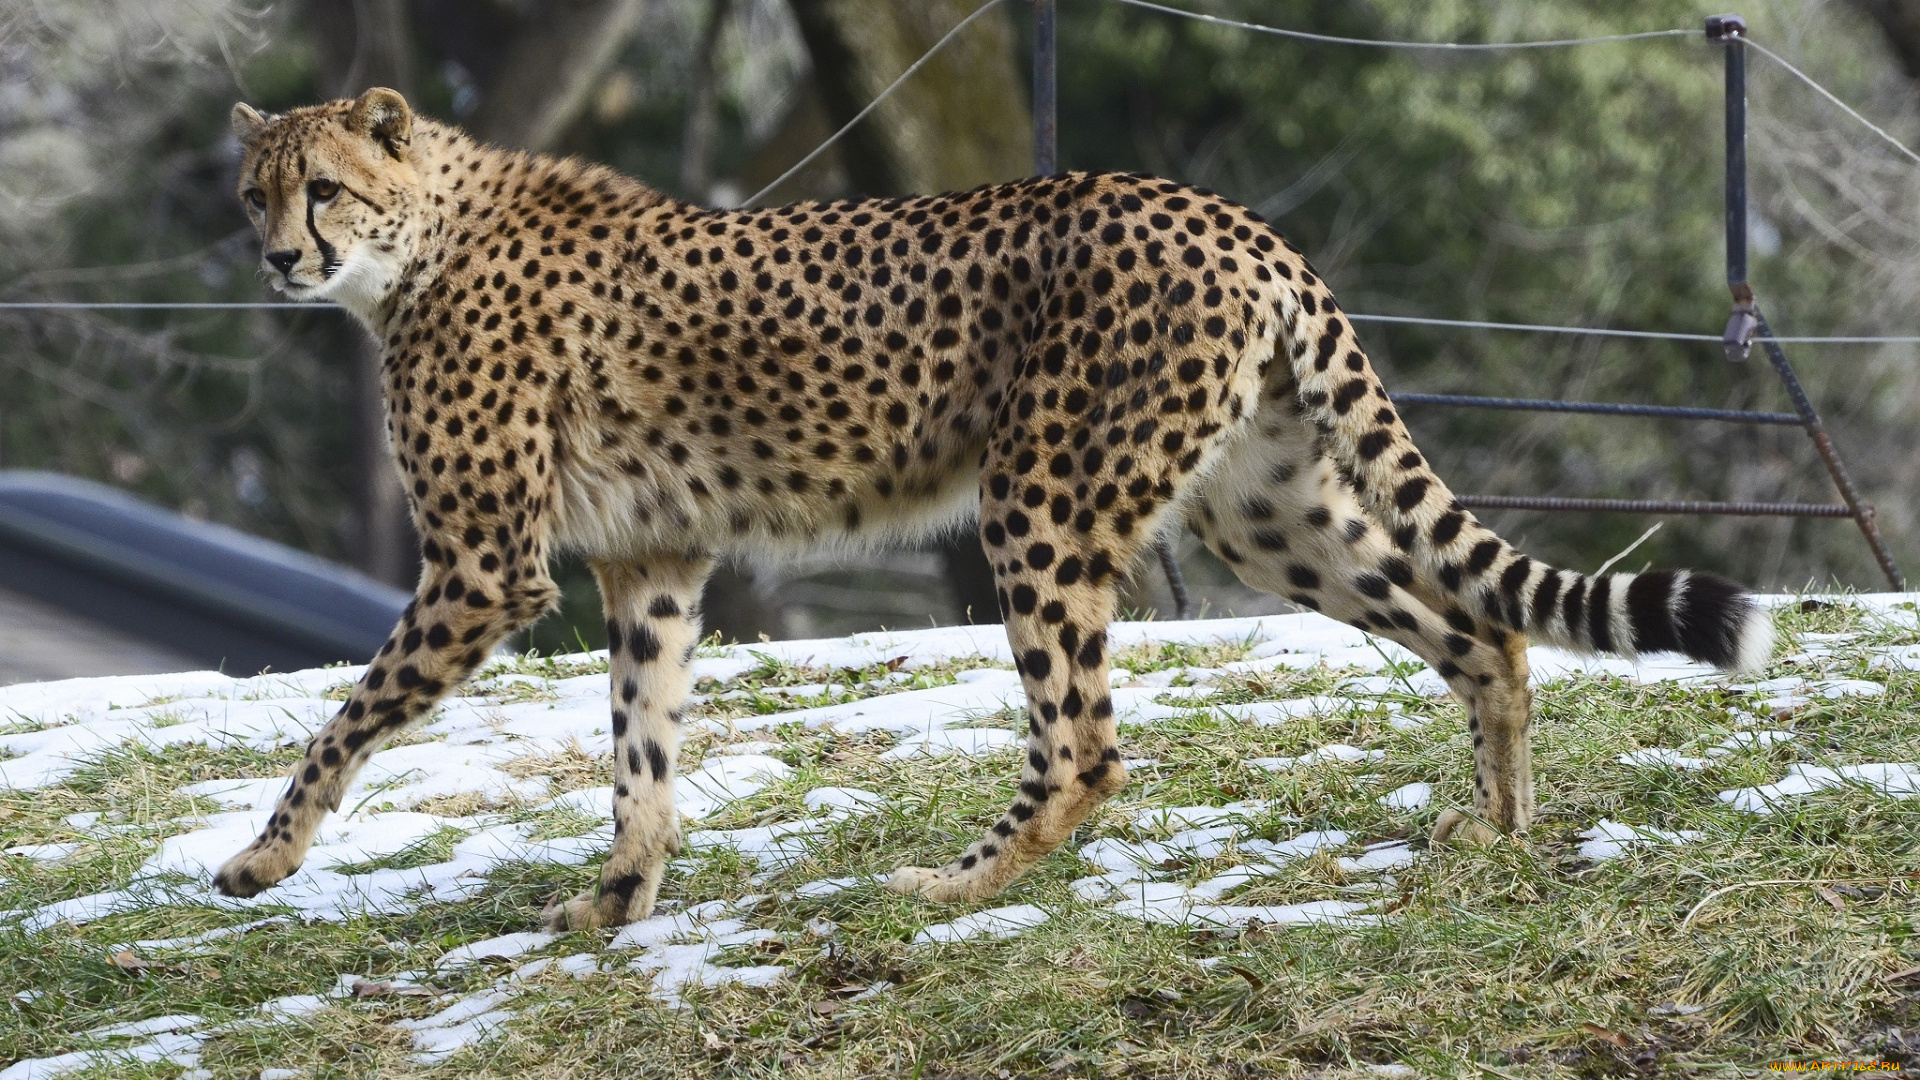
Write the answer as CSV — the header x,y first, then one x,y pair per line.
x,y
1573,186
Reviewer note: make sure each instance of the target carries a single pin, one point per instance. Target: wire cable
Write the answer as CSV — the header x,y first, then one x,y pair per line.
x,y
1464,324
875,103
184,305
1825,93
1602,331
1445,46
1352,316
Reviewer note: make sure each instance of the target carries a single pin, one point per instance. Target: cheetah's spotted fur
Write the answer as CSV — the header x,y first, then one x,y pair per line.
x,y
574,361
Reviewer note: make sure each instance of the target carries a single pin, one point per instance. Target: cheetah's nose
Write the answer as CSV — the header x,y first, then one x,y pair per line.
x,y
283,260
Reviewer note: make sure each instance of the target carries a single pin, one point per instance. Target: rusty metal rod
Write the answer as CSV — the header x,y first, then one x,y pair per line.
x,y
1653,506
1858,509
1672,412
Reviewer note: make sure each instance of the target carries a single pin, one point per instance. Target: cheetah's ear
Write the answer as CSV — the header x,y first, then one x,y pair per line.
x,y
382,115
247,123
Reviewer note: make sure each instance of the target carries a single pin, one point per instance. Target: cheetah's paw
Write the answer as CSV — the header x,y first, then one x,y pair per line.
x,y
1459,827
255,870
940,886
575,914
588,911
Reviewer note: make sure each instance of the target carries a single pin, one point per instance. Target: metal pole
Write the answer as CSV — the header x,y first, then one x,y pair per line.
x,y
1736,51
1730,31
1046,98
1176,581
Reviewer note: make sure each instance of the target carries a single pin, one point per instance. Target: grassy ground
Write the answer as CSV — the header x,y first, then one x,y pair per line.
x,y
1785,937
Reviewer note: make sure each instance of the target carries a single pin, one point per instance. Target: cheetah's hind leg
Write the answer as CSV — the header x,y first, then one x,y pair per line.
x,y
1057,594
1281,515
1501,750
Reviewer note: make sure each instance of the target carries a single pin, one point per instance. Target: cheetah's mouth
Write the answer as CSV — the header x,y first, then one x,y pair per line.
x,y
291,287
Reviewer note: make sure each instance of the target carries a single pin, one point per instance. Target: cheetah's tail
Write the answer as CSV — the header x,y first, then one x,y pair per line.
x,y
1704,616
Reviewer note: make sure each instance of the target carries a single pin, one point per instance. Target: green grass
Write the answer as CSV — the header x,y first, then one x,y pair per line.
x,y
1518,959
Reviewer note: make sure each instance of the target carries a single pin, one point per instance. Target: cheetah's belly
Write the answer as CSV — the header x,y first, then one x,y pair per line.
x,y
628,504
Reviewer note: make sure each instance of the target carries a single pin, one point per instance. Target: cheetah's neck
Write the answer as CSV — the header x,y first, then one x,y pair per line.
x,y
458,173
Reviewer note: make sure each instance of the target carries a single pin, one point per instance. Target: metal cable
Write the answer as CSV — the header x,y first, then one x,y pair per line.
x,y
188,305
1445,46
1602,331
1464,324
1358,317
1825,93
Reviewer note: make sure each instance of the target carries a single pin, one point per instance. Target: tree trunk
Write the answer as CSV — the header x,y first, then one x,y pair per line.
x,y
363,43
960,121
537,86
703,109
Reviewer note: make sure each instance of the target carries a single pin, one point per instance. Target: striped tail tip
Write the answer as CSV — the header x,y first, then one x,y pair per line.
x,y
1704,616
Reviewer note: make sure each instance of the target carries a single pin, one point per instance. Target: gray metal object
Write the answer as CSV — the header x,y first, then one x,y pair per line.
x,y
216,595
1653,506
1747,321
1604,408
1046,96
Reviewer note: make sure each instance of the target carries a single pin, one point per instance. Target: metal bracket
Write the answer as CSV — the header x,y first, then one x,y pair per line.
x,y
1722,27
1737,339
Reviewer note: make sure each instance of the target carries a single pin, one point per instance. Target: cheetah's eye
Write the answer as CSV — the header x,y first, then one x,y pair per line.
x,y
322,190
256,199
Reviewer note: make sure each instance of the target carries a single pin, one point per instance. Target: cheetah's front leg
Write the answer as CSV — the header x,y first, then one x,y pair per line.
x,y
653,624
458,615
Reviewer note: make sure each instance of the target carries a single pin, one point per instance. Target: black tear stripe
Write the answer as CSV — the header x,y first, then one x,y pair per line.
x,y
329,259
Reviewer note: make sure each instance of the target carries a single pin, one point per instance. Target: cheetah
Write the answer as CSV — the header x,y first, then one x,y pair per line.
x,y
573,361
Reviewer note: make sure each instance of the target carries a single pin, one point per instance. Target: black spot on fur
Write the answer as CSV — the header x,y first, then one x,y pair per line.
x,y
644,644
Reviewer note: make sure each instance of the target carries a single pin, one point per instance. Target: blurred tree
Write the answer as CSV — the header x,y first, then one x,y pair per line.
x,y
1576,185
364,44
1900,21
961,121
553,62
369,43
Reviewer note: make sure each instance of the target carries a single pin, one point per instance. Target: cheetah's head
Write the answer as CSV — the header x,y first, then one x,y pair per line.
x,y
329,188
